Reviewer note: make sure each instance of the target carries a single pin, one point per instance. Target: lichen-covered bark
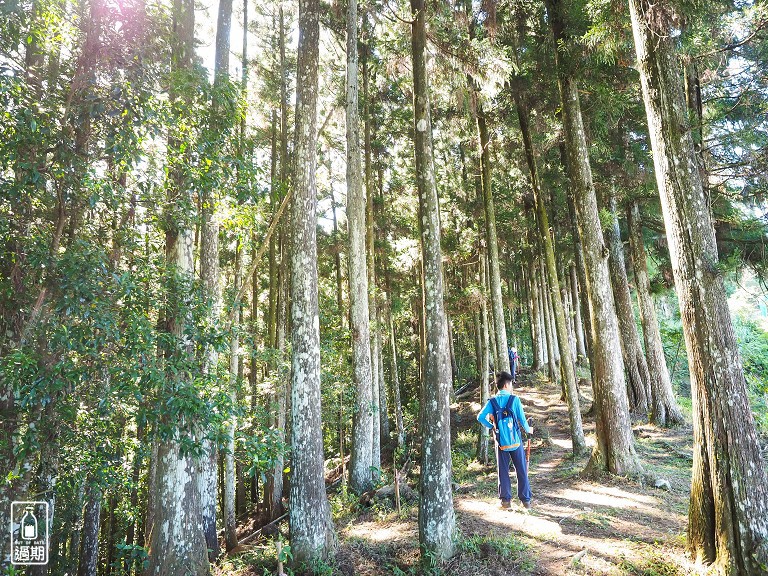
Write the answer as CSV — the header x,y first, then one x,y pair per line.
x,y
361,457
89,554
614,447
728,515
664,408
437,521
312,532
638,387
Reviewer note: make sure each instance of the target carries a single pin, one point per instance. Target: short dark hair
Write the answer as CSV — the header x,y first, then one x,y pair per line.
x,y
502,378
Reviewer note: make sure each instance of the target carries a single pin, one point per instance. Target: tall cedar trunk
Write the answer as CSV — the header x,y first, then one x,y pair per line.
x,y
638,391
527,312
395,378
373,306
361,456
230,472
542,218
664,408
274,488
312,532
728,515
89,551
533,291
454,365
437,521
578,325
484,443
554,376
581,272
614,447
497,306
177,545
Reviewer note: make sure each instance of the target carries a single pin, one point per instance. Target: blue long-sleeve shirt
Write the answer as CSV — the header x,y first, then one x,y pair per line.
x,y
509,433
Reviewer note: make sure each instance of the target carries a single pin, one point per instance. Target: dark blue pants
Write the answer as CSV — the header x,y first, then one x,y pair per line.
x,y
517,456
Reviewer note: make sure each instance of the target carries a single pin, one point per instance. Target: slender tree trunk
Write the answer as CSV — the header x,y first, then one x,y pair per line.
x,y
634,360
552,368
664,408
728,515
535,305
437,521
361,459
89,552
497,306
578,324
485,393
569,371
614,447
312,532
395,379
373,306
230,472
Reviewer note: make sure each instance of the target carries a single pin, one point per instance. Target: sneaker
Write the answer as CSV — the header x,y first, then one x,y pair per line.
x,y
506,504
527,505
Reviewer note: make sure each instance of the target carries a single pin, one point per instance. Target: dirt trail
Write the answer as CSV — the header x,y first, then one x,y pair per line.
x,y
578,525
610,526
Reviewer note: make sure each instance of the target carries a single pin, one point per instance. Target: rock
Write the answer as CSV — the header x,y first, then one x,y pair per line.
x,y
407,494
663,484
578,556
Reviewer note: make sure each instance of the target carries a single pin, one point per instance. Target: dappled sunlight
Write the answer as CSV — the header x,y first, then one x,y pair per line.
x,y
605,496
376,532
515,518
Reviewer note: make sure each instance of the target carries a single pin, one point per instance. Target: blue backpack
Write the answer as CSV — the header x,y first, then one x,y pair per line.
x,y
500,414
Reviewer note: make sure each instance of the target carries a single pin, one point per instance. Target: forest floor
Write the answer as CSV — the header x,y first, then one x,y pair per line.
x,y
577,526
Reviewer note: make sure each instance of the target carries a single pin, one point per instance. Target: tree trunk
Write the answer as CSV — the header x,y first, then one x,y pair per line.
x,y
664,408
437,521
230,472
312,532
395,378
485,394
89,551
614,447
542,218
497,306
578,324
729,492
373,306
535,304
361,459
634,360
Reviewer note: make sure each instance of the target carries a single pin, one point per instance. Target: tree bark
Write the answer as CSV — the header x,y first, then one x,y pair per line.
x,y
312,533
542,218
638,387
728,515
89,551
230,471
614,447
437,521
361,460
497,305
485,394
664,408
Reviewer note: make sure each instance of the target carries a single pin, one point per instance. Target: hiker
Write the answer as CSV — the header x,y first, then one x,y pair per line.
x,y
504,415
513,360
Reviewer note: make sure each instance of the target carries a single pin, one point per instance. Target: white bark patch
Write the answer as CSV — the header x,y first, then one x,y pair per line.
x,y
421,125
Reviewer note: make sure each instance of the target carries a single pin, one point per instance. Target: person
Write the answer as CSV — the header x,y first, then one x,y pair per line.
x,y
506,419
513,360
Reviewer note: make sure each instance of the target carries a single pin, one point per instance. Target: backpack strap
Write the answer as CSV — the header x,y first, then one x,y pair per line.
x,y
496,415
